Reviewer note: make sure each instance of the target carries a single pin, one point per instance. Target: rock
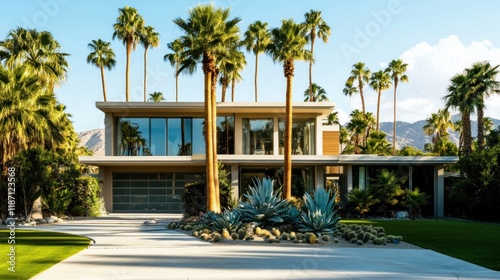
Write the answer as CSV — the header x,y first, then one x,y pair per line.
x,y
402,215
150,222
59,220
41,221
50,221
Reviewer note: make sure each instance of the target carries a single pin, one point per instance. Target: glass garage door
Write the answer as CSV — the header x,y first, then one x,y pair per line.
x,y
151,192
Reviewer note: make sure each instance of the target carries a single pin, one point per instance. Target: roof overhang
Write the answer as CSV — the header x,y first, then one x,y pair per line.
x,y
390,160
124,108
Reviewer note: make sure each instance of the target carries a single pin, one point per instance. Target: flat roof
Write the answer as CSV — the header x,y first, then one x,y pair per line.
x,y
265,159
318,108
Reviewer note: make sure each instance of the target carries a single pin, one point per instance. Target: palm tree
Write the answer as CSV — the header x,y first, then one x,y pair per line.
x,y
230,66
39,52
458,127
128,28
156,97
377,144
357,127
361,74
131,139
257,38
438,124
149,38
288,44
333,118
319,94
207,30
315,26
397,71
102,56
459,97
175,58
380,81
483,83
488,126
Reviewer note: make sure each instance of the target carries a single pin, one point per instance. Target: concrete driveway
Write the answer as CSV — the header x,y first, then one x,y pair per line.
x,y
126,249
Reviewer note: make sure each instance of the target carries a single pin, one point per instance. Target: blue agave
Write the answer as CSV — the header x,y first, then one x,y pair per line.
x,y
263,207
319,215
229,220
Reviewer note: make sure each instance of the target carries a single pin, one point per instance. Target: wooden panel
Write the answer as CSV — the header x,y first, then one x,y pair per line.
x,y
331,143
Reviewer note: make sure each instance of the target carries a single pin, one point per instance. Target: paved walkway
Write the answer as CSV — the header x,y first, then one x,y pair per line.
x,y
126,249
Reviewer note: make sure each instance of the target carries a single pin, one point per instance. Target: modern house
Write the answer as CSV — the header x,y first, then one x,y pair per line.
x,y
152,150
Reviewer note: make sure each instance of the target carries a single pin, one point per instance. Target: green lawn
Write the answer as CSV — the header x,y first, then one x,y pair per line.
x,y
36,251
474,242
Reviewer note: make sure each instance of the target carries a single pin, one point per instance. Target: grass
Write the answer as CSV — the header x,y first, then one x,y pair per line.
x,y
474,242
36,251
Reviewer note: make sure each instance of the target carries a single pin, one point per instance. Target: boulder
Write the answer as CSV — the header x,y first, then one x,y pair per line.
x,y
41,221
50,221
402,215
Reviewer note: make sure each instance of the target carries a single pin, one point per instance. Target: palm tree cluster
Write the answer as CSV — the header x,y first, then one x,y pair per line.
x,y
466,93
31,65
378,81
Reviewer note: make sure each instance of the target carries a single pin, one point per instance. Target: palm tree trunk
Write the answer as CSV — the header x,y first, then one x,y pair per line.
x,y
360,86
213,100
467,133
233,85
223,95
378,109
256,70
394,123
211,201
177,82
145,70
311,95
103,84
287,177
480,128
127,70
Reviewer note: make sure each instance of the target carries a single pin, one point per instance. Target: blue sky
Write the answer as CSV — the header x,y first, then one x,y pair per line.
x,y
436,38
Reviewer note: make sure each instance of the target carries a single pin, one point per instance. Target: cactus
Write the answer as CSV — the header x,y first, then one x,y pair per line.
x,y
248,238
241,234
312,239
366,237
360,242
378,241
325,238
335,240
296,241
258,230
285,236
354,240
225,234
196,233
205,236
217,237
206,230
360,235
234,236
293,236
276,232
350,235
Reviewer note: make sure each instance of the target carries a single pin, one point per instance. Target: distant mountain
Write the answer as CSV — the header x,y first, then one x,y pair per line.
x,y
409,134
412,134
93,140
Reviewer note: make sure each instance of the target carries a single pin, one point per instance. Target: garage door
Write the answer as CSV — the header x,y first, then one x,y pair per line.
x,y
151,192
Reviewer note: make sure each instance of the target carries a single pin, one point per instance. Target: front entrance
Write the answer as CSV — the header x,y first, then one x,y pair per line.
x,y
151,192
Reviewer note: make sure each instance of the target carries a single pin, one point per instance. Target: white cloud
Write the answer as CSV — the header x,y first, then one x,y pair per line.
x,y
430,68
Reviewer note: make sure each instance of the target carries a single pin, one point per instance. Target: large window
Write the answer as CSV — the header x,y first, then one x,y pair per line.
x,y
257,136
170,136
303,136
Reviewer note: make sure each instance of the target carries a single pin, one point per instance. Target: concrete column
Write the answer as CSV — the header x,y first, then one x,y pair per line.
x,y
109,134
320,176
234,181
362,178
319,136
238,135
276,136
349,178
106,177
439,191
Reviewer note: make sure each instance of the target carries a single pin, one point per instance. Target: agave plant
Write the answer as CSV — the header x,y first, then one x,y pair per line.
x,y
229,220
319,215
263,207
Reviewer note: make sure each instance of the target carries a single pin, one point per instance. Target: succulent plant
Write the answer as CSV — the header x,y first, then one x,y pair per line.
x,y
276,232
312,238
335,240
242,233
196,233
378,241
354,240
248,238
325,238
205,236
359,242
319,214
217,237
234,236
229,220
366,237
258,230
285,236
262,205
225,234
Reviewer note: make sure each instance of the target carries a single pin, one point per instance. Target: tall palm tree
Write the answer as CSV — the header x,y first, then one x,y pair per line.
x,y
379,82
397,71
257,38
102,56
206,31
315,26
149,38
458,127
482,81
319,94
156,97
349,89
459,97
230,66
240,63
176,58
128,28
438,124
288,45
39,52
357,127
361,74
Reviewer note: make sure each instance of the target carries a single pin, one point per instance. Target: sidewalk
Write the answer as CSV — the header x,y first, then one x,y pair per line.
x,y
126,249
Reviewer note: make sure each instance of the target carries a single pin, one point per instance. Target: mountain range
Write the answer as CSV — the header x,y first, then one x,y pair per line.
x,y
409,134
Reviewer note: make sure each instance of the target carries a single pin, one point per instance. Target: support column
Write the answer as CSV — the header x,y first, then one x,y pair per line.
x,y
235,189
410,177
108,135
320,176
439,191
238,135
349,178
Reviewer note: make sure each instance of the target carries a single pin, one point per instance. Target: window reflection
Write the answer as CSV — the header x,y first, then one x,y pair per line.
x,y
133,137
303,136
257,136
225,135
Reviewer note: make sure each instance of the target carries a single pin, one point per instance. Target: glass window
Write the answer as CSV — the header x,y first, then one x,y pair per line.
x,y
303,136
179,136
158,137
198,137
257,136
132,136
225,135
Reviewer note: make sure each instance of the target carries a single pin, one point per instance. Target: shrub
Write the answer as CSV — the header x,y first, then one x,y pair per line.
x,y
229,220
262,206
319,214
87,200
